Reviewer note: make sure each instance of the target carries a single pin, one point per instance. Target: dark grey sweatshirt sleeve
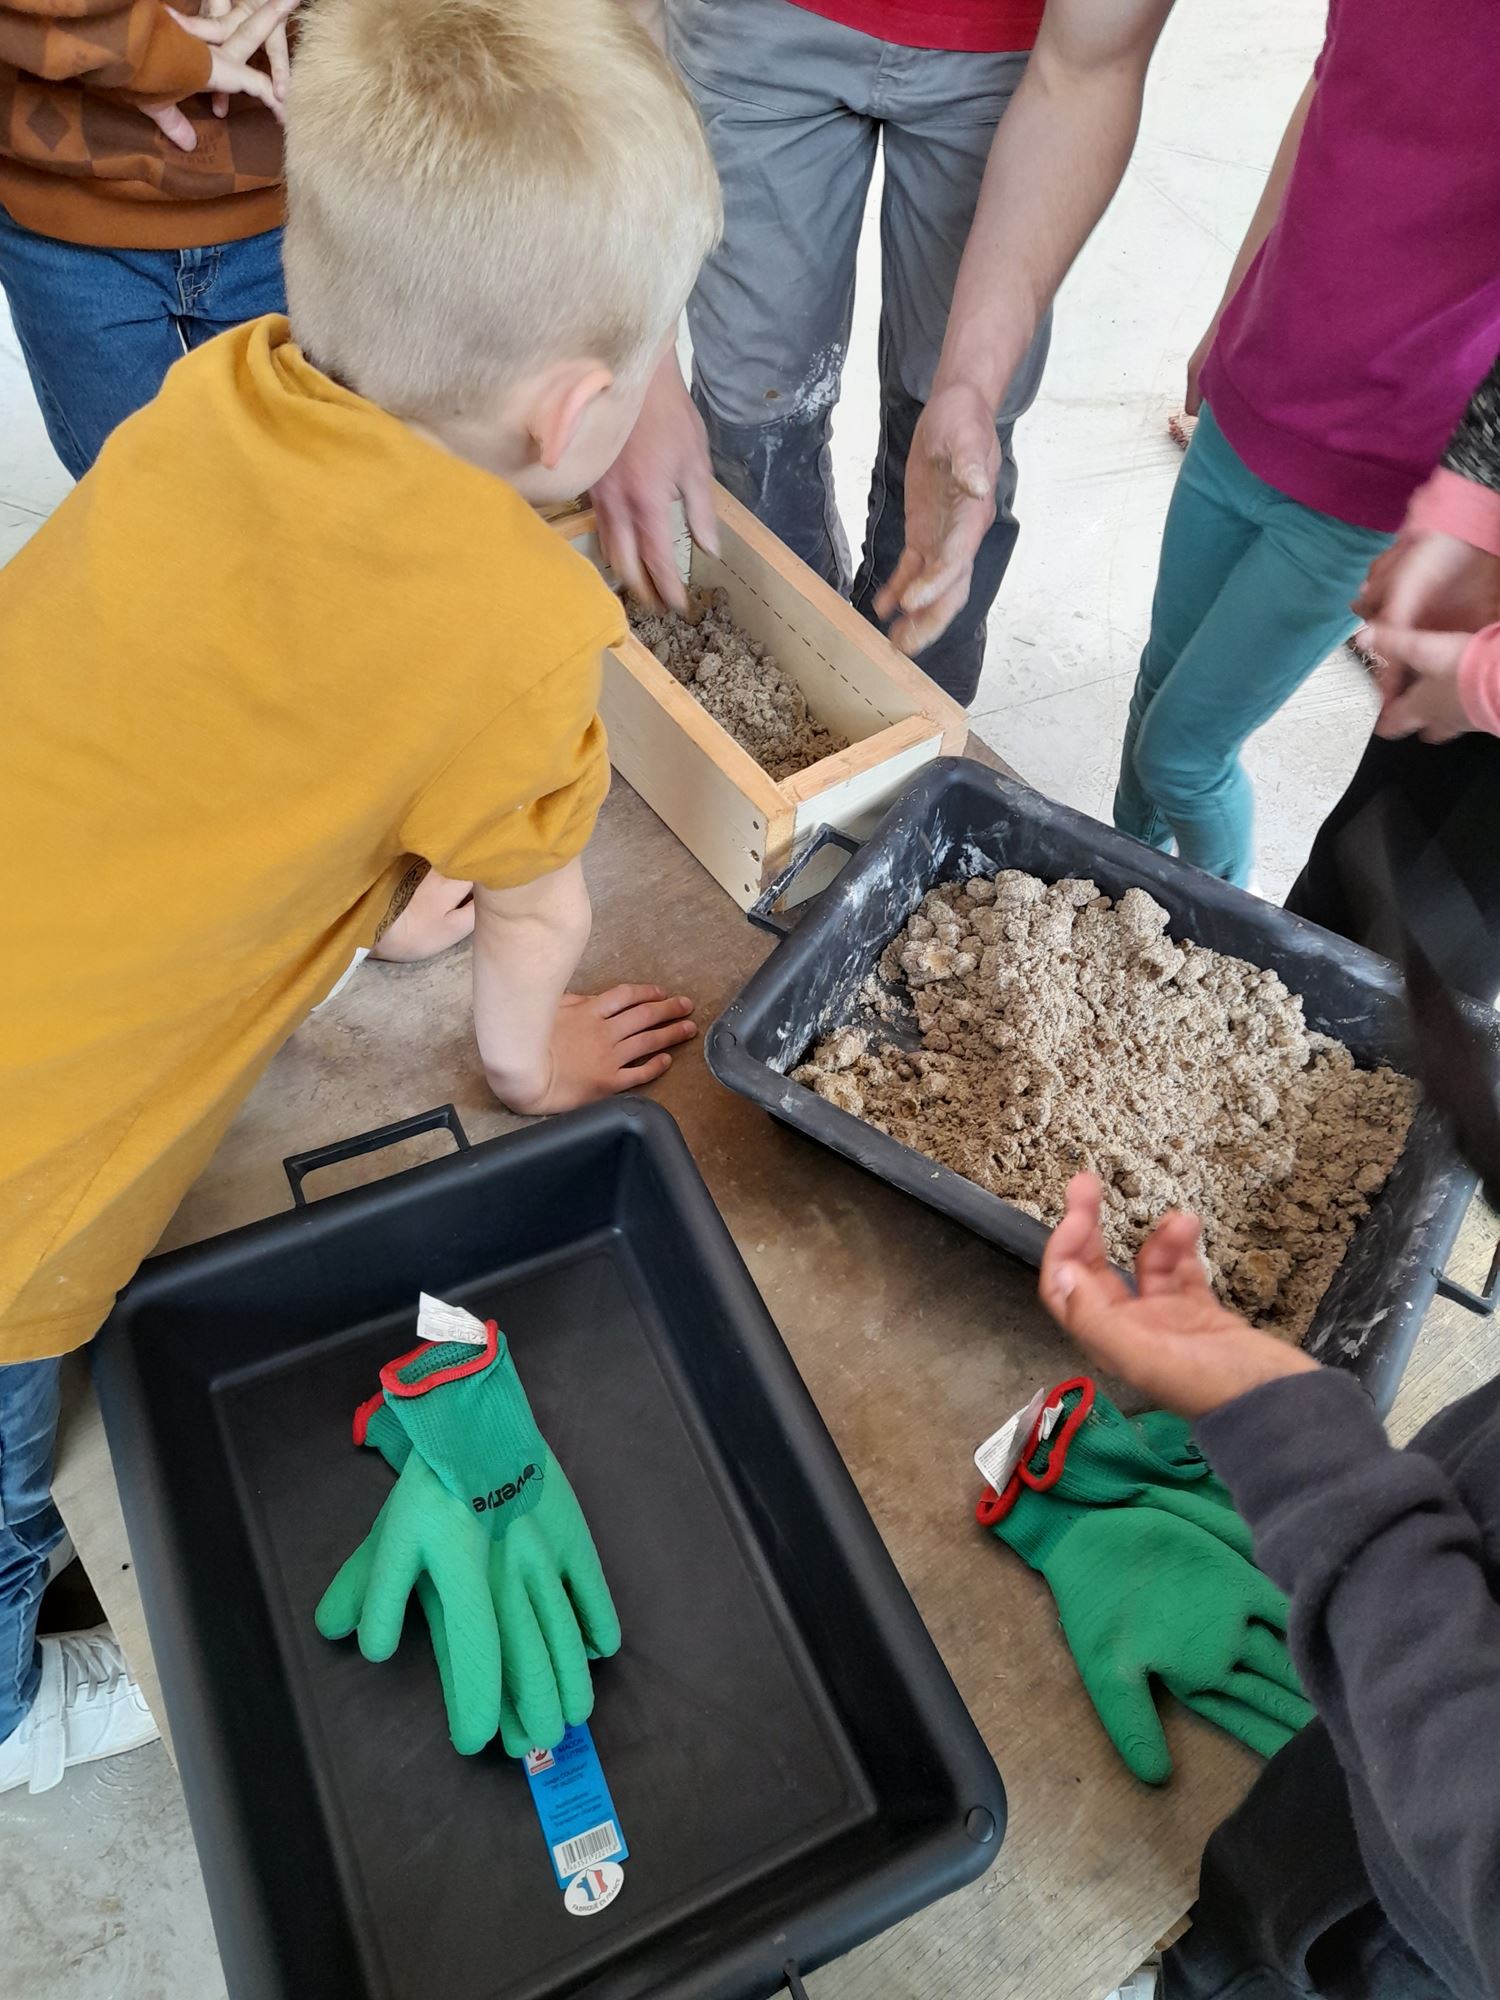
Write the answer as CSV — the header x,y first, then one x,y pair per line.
x,y
1475,450
1394,1628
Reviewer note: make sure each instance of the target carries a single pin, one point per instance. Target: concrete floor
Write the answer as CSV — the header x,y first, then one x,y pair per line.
x,y
100,1897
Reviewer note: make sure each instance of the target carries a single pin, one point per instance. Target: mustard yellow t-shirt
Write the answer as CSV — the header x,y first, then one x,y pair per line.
x,y
274,645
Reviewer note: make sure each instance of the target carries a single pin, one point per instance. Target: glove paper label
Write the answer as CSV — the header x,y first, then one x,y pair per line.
x,y
579,1822
437,1320
1000,1454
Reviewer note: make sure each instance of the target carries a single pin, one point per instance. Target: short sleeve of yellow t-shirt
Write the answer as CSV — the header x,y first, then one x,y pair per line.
x,y
455,823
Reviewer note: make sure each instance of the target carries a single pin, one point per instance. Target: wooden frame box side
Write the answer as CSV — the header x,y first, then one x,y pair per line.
x,y
739,822
713,795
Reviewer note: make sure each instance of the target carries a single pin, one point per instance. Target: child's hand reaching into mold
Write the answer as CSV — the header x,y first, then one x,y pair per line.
x,y
1170,1338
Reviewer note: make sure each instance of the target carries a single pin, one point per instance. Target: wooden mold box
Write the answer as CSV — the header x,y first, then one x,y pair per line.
x,y
742,824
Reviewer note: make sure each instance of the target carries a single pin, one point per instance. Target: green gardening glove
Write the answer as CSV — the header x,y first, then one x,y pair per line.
x,y
551,1602
1150,1570
426,1540
1097,1457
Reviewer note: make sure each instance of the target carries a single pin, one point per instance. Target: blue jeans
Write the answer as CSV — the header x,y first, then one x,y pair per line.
x,y
100,328
797,110
1252,592
30,1526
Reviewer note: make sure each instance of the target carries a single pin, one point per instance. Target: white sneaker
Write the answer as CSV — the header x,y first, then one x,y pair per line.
x,y
86,1707
1141,1985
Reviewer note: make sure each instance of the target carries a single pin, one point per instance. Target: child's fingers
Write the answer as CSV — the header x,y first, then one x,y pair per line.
x,y
650,1014
242,30
174,124
278,54
651,1040
239,78
1427,652
632,1077
617,998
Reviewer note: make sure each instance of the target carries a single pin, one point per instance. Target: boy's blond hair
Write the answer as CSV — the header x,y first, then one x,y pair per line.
x,y
476,187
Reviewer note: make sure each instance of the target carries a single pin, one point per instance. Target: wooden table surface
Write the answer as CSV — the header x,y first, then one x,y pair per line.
x,y
915,1339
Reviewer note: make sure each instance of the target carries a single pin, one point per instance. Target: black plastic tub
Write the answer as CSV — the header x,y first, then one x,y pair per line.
x,y
791,1764
961,818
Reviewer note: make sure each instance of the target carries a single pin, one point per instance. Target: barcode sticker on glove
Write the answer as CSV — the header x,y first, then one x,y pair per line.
x,y
999,1455
437,1320
579,1822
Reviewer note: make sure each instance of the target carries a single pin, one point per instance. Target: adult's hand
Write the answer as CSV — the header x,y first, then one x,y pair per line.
x,y
233,38
1170,1338
665,458
951,474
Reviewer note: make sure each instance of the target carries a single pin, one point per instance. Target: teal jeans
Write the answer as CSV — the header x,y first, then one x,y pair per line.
x,y
1252,592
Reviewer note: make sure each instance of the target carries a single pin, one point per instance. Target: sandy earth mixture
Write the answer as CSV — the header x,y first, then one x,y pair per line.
x,y
1061,1032
738,682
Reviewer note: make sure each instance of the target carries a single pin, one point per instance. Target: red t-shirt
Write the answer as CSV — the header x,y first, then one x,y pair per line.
x,y
978,25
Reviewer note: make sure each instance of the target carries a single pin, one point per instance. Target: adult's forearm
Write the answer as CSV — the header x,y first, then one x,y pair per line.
x,y
1058,156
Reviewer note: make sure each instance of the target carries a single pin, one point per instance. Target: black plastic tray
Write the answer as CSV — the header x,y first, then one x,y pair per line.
x,y
959,817
793,1767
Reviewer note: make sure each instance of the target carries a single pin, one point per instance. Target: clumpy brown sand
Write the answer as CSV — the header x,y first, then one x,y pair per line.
x,y
1062,1032
739,683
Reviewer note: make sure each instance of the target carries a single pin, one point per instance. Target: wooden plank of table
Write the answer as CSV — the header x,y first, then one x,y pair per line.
x,y
915,1340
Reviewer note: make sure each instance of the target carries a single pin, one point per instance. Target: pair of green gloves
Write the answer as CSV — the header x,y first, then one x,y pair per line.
x,y
1151,1569
483,1527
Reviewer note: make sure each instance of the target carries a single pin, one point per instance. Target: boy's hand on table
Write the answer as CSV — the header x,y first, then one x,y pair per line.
x,y
603,1043
1171,1338
665,458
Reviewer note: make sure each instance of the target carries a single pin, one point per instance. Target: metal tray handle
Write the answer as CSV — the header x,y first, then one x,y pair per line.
x,y
299,1165
761,913
1485,1303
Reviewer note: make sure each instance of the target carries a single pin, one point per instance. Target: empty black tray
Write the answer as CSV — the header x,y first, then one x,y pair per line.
x,y
792,1766
959,818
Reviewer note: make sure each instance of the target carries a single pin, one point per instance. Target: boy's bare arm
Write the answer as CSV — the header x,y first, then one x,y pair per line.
x,y
545,1049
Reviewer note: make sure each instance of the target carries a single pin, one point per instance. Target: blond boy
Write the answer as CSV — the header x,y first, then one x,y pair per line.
x,y
298,626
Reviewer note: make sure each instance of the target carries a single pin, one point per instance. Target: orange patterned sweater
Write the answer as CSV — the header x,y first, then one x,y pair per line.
x,y
80,160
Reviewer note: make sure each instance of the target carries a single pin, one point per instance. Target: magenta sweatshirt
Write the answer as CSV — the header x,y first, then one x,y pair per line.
x,y
1352,347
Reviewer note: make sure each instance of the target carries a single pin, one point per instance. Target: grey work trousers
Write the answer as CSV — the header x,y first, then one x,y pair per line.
x,y
795,108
